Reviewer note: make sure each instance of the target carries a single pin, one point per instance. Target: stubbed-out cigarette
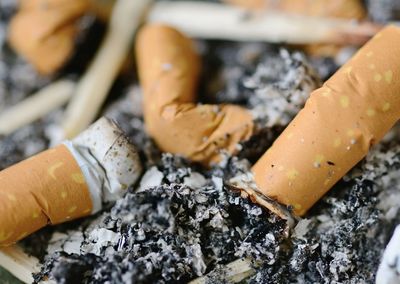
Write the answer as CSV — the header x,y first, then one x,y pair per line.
x,y
340,122
94,86
168,68
389,268
216,21
35,106
44,31
350,9
69,181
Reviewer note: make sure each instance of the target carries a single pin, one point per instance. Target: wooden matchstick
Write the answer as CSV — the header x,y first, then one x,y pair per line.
x,y
35,106
233,272
18,263
94,86
217,21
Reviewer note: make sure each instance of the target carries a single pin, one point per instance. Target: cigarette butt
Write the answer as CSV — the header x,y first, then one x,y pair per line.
x,y
44,31
65,183
348,9
339,123
344,9
168,69
217,21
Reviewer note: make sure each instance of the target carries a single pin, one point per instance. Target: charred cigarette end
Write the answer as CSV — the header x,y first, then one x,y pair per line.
x,y
44,31
118,157
341,120
246,185
67,182
168,69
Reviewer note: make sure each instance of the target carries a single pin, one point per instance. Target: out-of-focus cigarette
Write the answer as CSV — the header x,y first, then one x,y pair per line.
x,y
340,122
349,9
389,268
168,69
35,106
94,86
44,31
216,21
69,181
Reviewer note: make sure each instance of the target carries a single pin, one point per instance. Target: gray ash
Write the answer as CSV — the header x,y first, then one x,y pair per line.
x,y
170,233
384,10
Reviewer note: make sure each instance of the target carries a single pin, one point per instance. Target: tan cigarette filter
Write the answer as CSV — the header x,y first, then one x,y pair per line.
x,y
43,31
339,123
47,188
169,69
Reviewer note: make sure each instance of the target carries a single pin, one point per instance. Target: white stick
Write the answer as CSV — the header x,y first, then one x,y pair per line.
x,y
217,21
98,79
35,106
18,263
234,272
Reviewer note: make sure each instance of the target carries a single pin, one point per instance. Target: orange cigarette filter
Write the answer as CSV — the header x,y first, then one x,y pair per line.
x,y
169,69
339,123
47,188
43,31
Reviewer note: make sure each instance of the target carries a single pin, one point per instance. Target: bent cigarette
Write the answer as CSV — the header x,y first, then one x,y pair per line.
x,y
94,86
35,106
67,182
339,123
44,31
216,21
349,9
168,69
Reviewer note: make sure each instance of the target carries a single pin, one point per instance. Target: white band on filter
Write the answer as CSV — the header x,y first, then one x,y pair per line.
x,y
109,162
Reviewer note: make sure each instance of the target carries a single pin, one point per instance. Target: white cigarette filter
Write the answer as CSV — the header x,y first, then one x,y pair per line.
x,y
389,269
67,182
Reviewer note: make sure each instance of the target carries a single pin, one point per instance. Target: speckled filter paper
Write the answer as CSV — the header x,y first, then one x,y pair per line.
x,y
169,68
353,110
46,188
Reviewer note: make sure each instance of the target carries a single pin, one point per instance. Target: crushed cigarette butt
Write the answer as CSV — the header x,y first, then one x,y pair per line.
x,y
177,124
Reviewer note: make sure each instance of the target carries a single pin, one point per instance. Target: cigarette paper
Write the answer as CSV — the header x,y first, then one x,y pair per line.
x,y
94,86
389,268
43,31
339,123
35,106
216,21
168,69
67,182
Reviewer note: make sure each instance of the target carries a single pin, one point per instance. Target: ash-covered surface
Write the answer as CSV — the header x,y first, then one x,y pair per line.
x,y
170,232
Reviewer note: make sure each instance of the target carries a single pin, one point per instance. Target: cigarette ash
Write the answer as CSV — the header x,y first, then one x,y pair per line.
x,y
168,233
273,83
343,237
383,10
